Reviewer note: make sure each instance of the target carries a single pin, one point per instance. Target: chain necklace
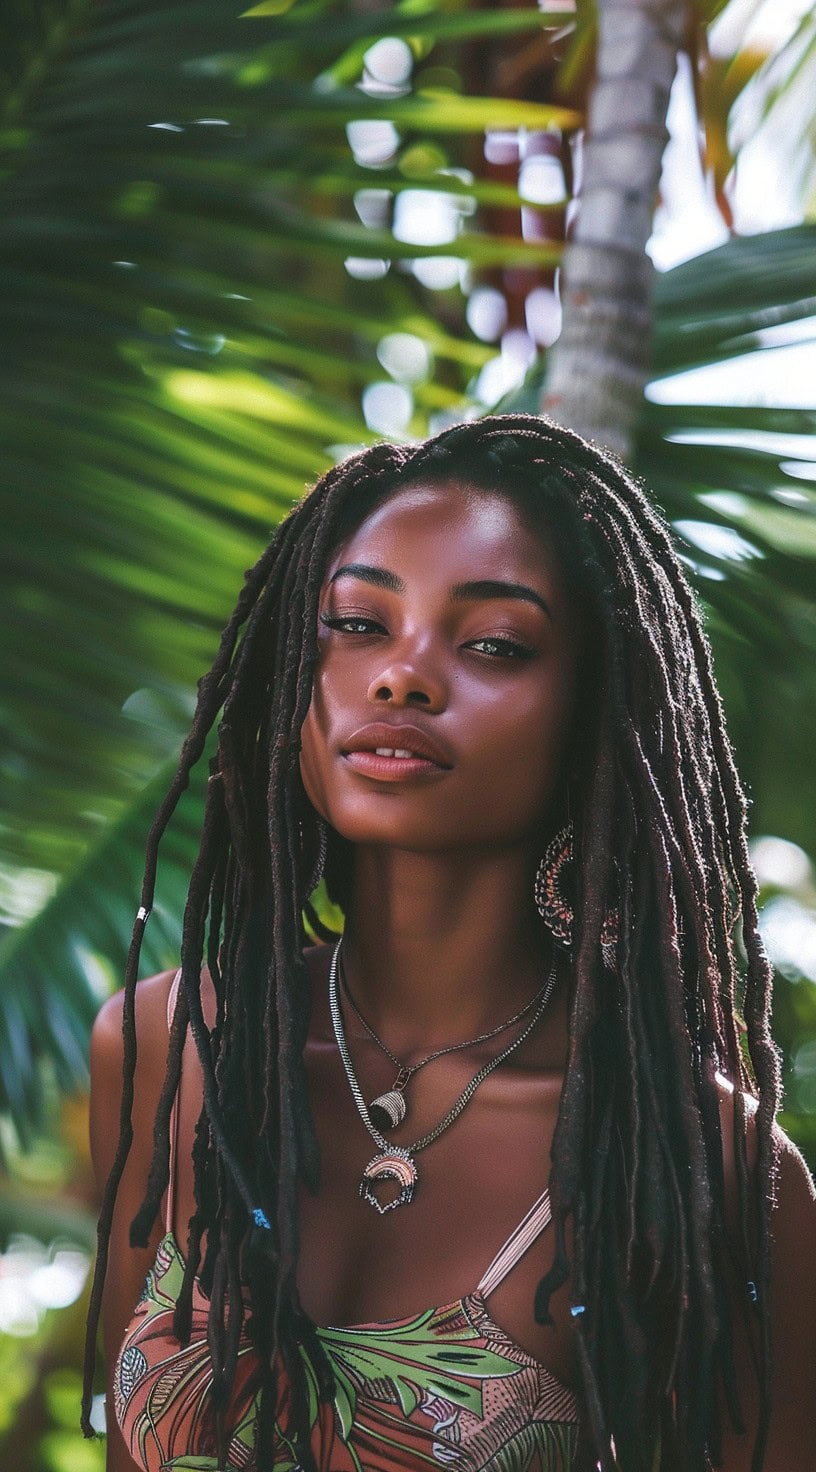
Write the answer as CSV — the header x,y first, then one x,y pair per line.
x,y
396,1162
388,1110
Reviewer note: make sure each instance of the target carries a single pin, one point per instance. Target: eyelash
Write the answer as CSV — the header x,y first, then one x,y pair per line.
x,y
340,623
501,648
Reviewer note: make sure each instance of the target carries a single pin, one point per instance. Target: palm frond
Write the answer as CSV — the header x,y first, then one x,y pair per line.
x,y
162,399
737,476
184,350
59,966
738,481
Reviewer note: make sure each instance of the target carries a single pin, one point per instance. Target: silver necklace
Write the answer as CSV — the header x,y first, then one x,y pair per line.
x,y
389,1110
396,1162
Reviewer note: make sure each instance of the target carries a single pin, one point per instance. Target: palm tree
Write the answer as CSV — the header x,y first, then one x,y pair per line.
x,y
213,235
600,364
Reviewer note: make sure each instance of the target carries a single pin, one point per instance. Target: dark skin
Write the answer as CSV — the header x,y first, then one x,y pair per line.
x,y
442,943
444,860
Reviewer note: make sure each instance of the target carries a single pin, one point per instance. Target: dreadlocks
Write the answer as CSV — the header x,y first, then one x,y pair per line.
x,y
660,832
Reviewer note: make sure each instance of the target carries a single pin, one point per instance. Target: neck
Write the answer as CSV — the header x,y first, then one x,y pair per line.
x,y
438,948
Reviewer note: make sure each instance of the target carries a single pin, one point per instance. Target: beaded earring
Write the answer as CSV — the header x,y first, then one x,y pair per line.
x,y
556,908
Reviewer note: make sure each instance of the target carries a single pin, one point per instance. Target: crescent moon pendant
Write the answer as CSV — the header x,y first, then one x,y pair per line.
x,y
390,1165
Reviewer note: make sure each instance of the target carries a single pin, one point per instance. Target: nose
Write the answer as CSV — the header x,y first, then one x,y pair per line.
x,y
409,681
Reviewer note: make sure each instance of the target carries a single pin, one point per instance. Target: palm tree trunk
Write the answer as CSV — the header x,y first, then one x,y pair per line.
x,y
599,366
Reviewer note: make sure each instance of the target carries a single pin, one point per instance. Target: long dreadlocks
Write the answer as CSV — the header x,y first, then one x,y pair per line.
x,y
660,821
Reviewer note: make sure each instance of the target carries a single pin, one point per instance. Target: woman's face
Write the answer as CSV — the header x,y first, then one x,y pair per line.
x,y
445,680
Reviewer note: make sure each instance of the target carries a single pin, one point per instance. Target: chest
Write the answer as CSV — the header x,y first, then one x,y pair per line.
x,y
475,1182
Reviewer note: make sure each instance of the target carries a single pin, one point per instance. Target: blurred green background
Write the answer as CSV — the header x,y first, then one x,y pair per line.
x,y
235,246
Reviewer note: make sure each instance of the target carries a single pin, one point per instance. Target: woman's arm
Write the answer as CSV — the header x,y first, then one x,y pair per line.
x,y
792,1436
126,1267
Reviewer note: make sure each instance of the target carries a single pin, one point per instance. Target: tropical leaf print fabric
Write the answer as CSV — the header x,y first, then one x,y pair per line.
x,y
446,1388
162,1391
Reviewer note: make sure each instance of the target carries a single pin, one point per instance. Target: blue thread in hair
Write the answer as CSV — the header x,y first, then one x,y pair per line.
x,y
261,1219
752,1290
577,1309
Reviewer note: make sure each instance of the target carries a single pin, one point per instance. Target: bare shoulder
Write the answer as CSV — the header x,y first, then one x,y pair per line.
x,y
108,1058
794,1202
796,1191
793,1312
792,1302
793,1284
151,1006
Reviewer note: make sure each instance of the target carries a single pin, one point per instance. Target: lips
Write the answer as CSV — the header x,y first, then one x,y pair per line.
x,y
397,743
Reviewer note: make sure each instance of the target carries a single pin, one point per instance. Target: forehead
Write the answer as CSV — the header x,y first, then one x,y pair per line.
x,y
451,528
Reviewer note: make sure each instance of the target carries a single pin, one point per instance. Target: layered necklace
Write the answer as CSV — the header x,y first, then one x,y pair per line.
x,y
389,1110
396,1162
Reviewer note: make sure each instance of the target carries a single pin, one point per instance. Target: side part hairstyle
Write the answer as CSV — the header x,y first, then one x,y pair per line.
x,y
660,831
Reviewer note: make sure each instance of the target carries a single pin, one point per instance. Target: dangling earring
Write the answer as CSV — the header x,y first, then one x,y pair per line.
x,y
320,858
554,906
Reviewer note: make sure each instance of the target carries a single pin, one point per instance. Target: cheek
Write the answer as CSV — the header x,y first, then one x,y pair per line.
x,y
313,757
541,740
537,767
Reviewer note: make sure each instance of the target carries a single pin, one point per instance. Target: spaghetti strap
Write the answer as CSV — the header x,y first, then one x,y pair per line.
x,y
520,1239
172,998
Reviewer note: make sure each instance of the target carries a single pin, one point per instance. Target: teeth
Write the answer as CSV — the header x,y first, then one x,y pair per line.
x,y
392,751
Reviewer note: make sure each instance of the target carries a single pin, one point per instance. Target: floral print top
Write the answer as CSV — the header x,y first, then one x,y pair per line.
x,y
446,1388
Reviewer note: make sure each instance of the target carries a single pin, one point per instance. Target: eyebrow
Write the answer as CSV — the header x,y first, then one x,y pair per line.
x,y
380,577
497,588
479,588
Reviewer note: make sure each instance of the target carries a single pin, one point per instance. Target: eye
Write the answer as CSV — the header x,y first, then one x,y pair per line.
x,y
501,648
351,623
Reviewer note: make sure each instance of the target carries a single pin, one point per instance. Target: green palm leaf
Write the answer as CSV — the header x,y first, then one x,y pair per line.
x,y
162,401
739,482
408,1357
58,966
183,347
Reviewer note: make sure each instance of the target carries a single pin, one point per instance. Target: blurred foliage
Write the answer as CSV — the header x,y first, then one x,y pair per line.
x,y
183,346
180,399
187,339
200,272
63,1448
47,1237
758,97
40,1389
183,341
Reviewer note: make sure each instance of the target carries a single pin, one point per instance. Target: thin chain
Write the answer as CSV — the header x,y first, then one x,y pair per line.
x,y
408,1070
466,1094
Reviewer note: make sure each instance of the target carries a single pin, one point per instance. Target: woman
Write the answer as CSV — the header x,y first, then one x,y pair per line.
x,y
473,687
